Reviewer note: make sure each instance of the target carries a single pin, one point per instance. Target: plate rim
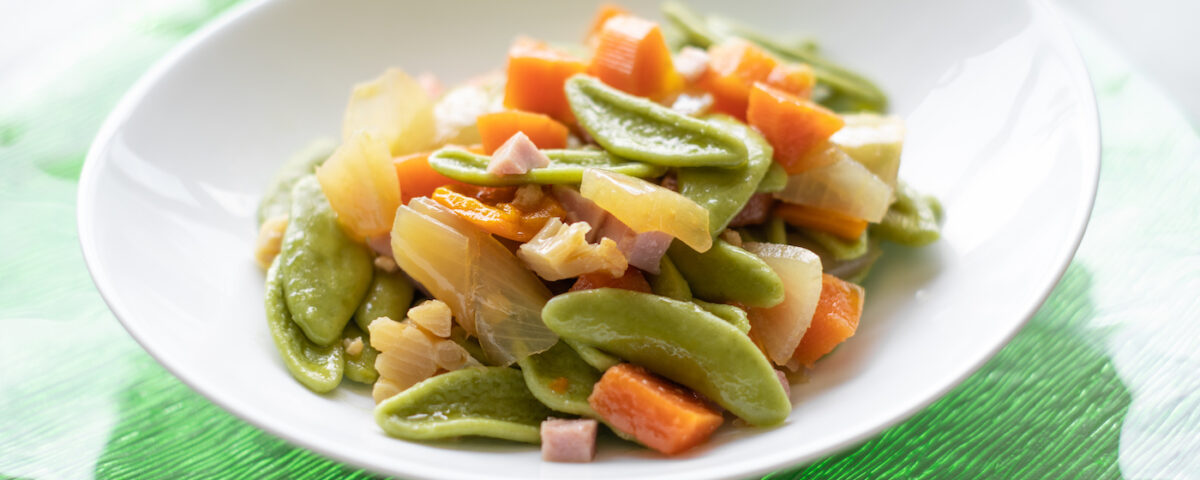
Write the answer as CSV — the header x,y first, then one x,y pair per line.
x,y
1090,159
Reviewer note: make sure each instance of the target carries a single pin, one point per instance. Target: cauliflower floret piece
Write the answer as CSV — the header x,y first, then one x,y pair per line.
x,y
561,251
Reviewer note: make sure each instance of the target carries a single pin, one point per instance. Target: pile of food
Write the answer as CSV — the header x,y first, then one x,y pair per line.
x,y
652,231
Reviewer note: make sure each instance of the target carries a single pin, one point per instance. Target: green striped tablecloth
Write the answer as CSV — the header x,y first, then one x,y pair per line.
x,y
1104,382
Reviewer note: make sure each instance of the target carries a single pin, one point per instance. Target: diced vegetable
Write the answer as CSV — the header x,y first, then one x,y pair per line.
x,y
566,167
733,68
396,107
835,319
561,251
821,219
779,329
603,14
492,295
845,187
644,207
639,129
496,128
793,125
658,413
630,279
456,112
536,74
417,178
632,56
504,219
874,141
360,183
796,79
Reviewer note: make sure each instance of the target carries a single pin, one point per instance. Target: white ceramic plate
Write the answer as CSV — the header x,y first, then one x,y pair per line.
x,y
1002,127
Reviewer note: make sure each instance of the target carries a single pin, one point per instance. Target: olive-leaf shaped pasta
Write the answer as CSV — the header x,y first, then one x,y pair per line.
x,y
726,273
566,167
725,191
678,340
480,401
316,367
325,273
639,129
560,379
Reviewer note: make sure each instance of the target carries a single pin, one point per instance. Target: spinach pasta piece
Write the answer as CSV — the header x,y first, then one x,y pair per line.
x,y
478,401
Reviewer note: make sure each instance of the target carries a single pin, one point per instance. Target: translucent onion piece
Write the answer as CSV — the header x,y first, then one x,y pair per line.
x,y
360,182
395,106
646,207
493,296
844,186
434,254
874,141
779,329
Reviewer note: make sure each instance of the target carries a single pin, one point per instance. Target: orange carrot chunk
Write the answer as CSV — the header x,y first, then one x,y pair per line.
x,y
835,319
632,279
733,67
632,56
536,74
828,221
792,125
656,412
604,13
417,178
796,79
496,128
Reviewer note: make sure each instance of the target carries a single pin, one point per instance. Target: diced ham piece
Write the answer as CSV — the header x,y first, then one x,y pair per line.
x,y
642,250
381,244
756,211
691,62
568,440
787,387
580,209
517,156
430,83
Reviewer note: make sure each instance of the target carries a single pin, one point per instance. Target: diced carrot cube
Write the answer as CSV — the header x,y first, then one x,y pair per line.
x,y
632,56
835,319
794,126
733,67
496,128
417,178
658,413
816,218
536,75
605,12
796,79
